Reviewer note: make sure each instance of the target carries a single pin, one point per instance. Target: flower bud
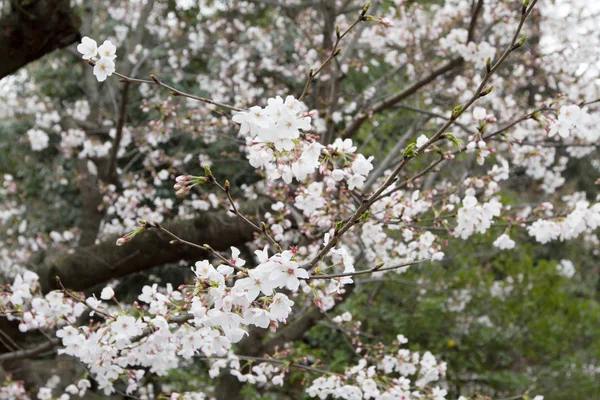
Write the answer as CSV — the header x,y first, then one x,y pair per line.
x,y
386,22
183,178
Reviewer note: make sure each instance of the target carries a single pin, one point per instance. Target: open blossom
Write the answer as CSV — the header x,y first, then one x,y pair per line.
x,y
504,242
568,118
88,47
421,141
104,68
126,326
38,139
107,293
287,272
566,268
479,113
281,307
108,50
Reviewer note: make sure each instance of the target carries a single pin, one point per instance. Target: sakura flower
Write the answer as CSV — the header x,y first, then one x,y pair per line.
x,y
126,326
103,69
504,242
343,146
107,293
566,268
281,307
287,272
421,141
88,47
107,50
479,113
362,165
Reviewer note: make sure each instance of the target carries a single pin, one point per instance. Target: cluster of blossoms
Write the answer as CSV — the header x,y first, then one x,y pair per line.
x,y
15,390
584,217
38,139
566,268
277,142
473,217
103,57
217,313
22,301
262,373
218,316
456,42
272,138
571,120
207,318
401,375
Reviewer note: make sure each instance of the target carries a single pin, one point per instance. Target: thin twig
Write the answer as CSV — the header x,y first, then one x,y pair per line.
x,y
367,271
261,229
204,247
174,92
335,51
76,298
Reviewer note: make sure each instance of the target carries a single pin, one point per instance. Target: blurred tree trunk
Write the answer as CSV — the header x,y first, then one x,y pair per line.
x,y
34,28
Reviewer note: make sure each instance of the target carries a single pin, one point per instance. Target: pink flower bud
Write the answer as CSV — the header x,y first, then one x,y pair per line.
x,y
386,22
183,178
183,191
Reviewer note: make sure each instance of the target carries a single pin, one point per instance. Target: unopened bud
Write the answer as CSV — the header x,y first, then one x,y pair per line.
x,y
366,9
122,240
183,191
486,91
456,111
386,22
520,43
183,178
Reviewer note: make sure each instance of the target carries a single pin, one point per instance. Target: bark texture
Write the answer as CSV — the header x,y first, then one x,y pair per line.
x,y
34,28
99,263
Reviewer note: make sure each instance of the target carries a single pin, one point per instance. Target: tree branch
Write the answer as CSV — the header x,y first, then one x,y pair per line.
x,y
385,104
92,265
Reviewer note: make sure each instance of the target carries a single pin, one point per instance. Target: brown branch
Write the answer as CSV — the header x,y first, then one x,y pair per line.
x,y
204,247
111,168
335,51
174,92
30,352
93,265
473,23
385,104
